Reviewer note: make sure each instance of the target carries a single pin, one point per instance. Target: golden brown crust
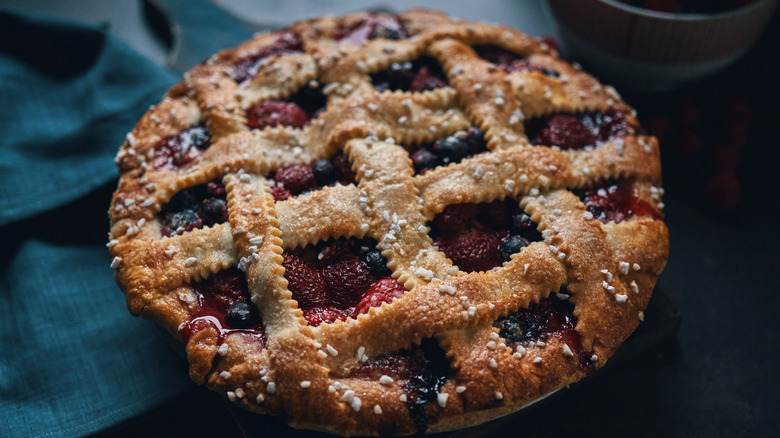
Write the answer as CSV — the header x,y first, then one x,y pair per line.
x,y
303,373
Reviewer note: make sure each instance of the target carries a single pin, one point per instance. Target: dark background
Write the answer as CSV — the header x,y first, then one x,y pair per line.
x,y
716,375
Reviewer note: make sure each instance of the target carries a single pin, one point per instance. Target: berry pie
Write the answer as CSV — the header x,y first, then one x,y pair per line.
x,y
389,224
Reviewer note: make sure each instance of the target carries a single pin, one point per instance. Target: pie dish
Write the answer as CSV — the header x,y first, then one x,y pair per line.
x,y
389,224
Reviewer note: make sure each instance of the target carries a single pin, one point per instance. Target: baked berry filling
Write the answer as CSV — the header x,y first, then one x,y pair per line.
x,y
247,67
338,279
551,317
425,368
181,149
193,208
224,304
451,149
302,178
510,62
371,27
297,111
615,201
415,76
577,131
480,237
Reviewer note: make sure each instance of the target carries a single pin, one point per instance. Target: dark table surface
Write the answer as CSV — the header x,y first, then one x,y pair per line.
x,y
717,374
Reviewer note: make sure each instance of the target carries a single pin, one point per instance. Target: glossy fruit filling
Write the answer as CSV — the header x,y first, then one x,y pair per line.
x,y
420,75
577,131
510,62
223,303
181,149
338,279
302,178
551,317
451,149
248,66
192,208
615,201
371,27
296,112
425,369
480,237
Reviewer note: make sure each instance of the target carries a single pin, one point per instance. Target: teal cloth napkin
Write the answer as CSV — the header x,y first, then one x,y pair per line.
x,y
72,359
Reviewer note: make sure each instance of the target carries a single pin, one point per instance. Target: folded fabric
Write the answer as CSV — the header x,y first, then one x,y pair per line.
x,y
72,360
69,96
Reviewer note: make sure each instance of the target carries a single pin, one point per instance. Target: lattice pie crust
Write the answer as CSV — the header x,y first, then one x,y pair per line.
x,y
354,375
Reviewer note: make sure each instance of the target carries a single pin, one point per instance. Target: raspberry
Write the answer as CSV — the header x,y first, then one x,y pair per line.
x,y
271,112
216,189
454,217
280,193
296,179
320,315
347,279
688,115
565,131
473,250
722,192
383,291
229,285
305,282
344,172
616,202
181,149
426,79
687,143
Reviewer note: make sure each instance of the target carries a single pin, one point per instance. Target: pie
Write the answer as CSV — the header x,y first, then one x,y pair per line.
x,y
389,224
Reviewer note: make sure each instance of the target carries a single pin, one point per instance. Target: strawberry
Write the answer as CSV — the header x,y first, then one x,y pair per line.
x,y
347,279
383,291
473,250
305,282
271,112
319,315
296,178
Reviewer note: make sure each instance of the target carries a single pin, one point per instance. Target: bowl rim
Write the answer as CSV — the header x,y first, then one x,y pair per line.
x,y
674,16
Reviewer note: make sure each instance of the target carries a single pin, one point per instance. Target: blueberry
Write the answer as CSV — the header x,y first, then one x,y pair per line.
x,y
183,220
213,211
520,326
451,149
551,73
324,172
185,199
239,315
424,159
511,245
476,140
397,77
377,263
521,222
